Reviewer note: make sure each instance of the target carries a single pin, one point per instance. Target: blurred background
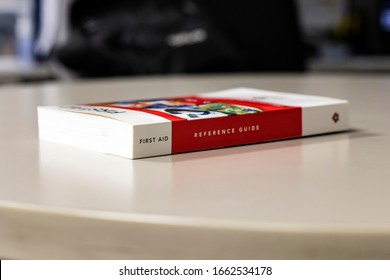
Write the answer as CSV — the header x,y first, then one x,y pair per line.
x,y
70,39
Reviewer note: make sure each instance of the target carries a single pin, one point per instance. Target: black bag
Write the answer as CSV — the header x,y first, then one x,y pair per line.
x,y
133,37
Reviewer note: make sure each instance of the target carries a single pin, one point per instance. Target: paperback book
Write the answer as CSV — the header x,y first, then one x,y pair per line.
x,y
145,128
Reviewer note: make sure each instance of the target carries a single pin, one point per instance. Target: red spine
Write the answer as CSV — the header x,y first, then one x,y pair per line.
x,y
236,130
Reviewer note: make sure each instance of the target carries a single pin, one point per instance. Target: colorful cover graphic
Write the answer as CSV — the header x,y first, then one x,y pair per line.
x,y
190,108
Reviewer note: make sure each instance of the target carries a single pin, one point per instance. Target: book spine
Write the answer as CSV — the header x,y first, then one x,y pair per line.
x,y
180,136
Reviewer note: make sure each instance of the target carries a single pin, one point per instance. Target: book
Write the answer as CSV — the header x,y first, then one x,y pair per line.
x,y
144,128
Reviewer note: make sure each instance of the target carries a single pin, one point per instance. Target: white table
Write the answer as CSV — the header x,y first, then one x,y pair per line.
x,y
322,197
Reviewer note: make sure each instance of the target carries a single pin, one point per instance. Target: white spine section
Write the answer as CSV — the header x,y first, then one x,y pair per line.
x,y
152,139
324,119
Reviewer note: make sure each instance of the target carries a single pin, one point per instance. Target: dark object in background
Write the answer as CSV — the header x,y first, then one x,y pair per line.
x,y
143,37
181,36
266,33
371,32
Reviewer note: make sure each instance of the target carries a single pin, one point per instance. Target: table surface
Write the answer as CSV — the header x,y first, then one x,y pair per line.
x,y
317,197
